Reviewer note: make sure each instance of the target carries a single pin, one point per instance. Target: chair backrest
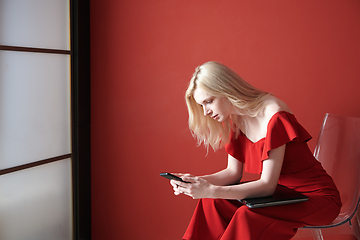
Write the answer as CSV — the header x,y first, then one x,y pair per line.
x,y
338,150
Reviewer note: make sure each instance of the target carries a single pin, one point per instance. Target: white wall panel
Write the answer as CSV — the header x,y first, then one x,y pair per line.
x,y
34,107
35,204
35,23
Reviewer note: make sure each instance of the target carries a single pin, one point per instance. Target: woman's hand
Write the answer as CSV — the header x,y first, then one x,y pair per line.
x,y
196,188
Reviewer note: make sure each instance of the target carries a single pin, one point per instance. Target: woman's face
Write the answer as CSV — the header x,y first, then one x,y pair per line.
x,y
219,108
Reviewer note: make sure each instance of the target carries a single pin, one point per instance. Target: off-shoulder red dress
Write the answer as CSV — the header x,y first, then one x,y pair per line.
x,y
223,219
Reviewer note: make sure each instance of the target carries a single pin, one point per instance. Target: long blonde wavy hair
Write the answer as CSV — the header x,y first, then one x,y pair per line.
x,y
220,81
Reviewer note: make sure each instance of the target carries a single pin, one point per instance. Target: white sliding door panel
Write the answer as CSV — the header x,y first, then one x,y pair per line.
x,y
35,23
34,107
36,203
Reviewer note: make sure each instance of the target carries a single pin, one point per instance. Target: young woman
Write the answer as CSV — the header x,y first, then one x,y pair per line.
x,y
261,135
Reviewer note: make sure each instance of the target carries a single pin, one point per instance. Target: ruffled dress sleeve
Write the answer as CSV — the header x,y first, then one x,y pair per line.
x,y
283,128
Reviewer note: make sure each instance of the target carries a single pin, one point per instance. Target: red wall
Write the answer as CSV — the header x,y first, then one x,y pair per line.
x,y
143,54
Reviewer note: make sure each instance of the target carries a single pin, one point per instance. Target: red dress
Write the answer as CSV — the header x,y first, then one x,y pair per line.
x,y
222,219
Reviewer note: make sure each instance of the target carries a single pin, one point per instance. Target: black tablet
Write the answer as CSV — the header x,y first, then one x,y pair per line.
x,y
282,195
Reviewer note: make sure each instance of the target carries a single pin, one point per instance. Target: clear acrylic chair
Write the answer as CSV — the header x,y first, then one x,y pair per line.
x,y
338,150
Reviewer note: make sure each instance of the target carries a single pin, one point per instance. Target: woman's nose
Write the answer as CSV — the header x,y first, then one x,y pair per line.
x,y
207,111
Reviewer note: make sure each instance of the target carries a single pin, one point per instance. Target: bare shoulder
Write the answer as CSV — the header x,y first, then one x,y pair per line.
x,y
272,106
256,128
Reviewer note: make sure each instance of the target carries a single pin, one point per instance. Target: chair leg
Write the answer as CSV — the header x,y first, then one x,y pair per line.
x,y
317,234
355,225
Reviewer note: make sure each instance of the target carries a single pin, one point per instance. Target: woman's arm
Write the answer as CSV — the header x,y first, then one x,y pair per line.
x,y
232,174
265,186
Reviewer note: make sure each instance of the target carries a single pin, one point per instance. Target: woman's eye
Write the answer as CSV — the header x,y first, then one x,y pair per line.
x,y
207,102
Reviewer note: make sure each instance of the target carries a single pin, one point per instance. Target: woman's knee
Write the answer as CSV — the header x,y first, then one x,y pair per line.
x,y
214,202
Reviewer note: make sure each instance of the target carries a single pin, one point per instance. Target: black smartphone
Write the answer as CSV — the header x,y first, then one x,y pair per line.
x,y
171,176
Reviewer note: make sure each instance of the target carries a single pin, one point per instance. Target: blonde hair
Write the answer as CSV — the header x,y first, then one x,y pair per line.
x,y
220,81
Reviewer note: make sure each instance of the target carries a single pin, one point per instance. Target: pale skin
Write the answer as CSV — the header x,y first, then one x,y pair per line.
x,y
219,184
